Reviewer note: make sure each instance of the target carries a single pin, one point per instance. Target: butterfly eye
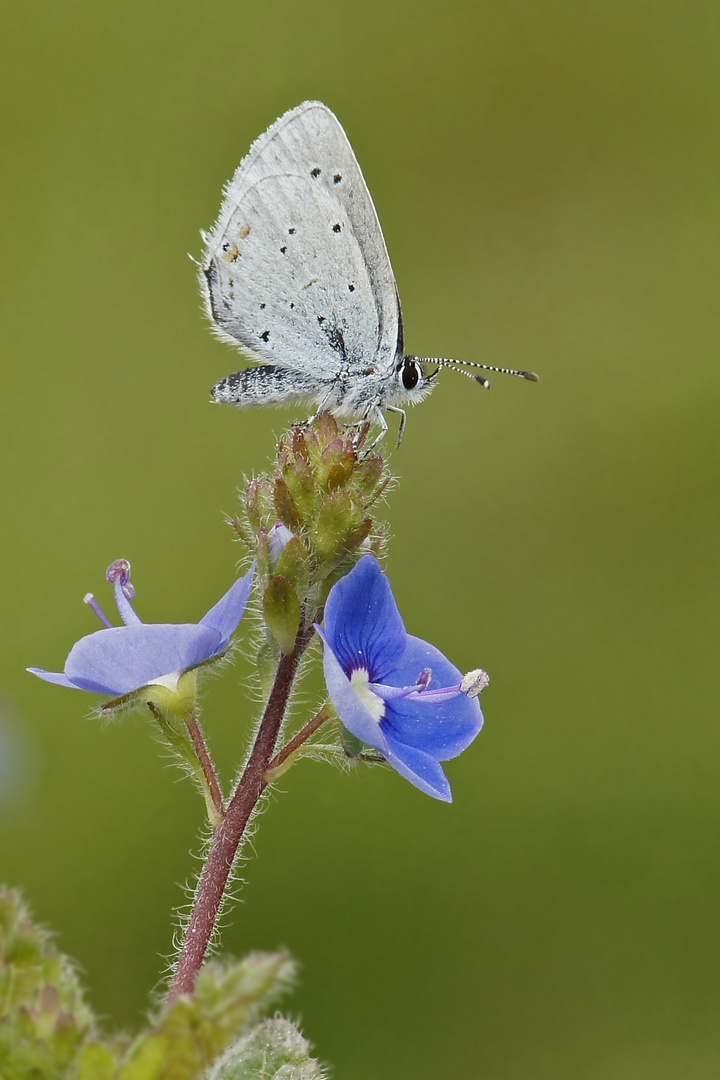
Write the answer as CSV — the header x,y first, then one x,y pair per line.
x,y
410,374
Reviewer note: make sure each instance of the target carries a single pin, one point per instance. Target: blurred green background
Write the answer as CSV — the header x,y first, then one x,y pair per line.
x,y
547,179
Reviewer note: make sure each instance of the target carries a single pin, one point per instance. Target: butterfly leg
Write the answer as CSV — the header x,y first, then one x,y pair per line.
x,y
376,413
403,421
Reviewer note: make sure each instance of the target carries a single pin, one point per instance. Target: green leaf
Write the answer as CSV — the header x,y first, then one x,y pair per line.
x,y
274,1050
94,1062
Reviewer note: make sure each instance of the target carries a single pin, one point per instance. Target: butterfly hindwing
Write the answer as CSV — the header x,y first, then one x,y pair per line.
x,y
296,271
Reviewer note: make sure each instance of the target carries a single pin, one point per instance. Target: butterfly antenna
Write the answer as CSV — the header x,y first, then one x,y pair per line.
x,y
475,378
442,361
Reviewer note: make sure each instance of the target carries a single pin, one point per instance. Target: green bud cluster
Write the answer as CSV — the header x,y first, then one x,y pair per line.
x,y
324,490
192,1032
46,1030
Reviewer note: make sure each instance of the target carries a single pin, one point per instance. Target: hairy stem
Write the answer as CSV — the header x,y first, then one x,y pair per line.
x,y
297,740
207,766
227,837
202,768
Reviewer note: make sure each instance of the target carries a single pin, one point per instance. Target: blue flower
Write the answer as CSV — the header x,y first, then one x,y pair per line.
x,y
123,659
278,538
378,679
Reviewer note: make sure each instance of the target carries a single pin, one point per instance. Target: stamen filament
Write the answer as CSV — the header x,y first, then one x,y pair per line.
x,y
91,602
445,693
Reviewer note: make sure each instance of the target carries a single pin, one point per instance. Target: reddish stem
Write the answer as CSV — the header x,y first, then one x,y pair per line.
x,y
205,760
229,833
302,736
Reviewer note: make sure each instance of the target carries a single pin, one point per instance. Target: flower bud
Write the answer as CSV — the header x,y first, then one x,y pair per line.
x,y
252,504
278,538
326,428
298,476
294,564
334,522
340,471
322,491
283,612
355,538
368,473
285,505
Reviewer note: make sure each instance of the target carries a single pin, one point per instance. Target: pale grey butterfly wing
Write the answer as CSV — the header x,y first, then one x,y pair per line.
x,y
296,271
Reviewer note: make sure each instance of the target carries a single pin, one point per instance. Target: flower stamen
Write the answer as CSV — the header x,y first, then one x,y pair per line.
x,y
424,678
118,574
474,682
91,602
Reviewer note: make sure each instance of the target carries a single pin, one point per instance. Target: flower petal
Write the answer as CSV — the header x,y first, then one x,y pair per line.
x,y
57,677
363,626
419,768
125,658
348,705
229,610
442,729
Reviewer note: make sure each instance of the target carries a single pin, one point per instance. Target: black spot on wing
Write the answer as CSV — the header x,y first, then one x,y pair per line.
x,y
315,172
336,338
337,227
337,178
265,335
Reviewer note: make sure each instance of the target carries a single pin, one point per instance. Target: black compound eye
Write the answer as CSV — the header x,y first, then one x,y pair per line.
x,y
410,374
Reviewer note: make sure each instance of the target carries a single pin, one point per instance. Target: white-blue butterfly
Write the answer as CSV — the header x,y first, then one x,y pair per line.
x,y
296,273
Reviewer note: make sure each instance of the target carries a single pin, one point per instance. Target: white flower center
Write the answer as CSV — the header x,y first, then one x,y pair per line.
x,y
169,681
360,682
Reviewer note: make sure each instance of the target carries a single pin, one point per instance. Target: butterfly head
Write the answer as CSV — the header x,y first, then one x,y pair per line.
x,y
411,382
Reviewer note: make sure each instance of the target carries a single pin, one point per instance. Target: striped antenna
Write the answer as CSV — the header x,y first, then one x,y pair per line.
x,y
475,378
454,365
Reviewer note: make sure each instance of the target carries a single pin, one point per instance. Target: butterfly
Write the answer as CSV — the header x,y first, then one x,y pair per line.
x,y
296,273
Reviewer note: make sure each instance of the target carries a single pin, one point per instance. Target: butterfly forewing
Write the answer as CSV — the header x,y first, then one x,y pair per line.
x,y
296,270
